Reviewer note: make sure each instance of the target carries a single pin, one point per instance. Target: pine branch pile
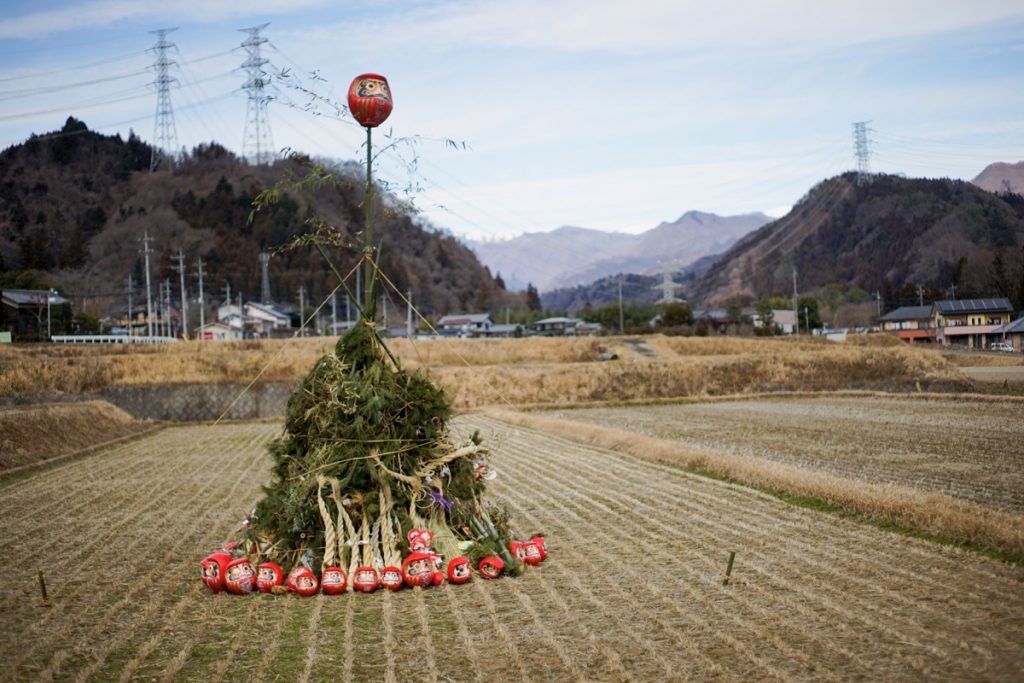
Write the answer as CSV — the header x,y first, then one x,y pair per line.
x,y
366,457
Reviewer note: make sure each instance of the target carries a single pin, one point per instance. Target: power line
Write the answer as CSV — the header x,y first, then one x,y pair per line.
x,y
77,67
31,92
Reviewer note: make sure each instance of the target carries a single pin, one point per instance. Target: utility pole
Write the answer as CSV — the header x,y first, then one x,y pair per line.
x,y
807,324
302,310
129,304
796,312
920,295
952,289
241,313
165,138
862,151
384,308
265,279
334,313
161,318
257,144
622,318
878,303
202,301
167,295
359,284
408,315
149,291
227,298
184,295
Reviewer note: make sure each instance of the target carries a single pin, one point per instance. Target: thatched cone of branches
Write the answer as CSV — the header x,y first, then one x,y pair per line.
x,y
366,456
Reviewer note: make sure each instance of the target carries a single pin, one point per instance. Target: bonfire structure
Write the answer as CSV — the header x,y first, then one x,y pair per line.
x,y
369,488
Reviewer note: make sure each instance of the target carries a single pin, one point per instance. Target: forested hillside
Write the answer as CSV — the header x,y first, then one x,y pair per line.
x,y
75,204
886,234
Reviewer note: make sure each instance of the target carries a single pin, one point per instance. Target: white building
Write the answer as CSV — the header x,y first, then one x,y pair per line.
x,y
218,331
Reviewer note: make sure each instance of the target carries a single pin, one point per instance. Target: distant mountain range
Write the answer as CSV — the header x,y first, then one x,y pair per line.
x,y
571,256
888,232
1002,177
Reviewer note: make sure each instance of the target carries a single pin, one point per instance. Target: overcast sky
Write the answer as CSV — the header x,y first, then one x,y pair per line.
x,y
609,115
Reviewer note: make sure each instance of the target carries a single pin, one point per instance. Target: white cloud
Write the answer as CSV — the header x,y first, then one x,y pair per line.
x,y
100,13
660,26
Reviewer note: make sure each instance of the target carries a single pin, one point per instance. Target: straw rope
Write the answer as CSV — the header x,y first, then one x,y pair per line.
x,y
330,533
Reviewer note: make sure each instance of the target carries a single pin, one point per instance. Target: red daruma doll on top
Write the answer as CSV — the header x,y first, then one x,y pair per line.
x,y
369,99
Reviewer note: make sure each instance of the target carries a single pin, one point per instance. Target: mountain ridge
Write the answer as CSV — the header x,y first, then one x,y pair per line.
x,y
888,232
570,256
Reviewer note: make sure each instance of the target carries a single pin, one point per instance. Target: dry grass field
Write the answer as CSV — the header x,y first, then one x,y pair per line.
x,y
30,435
632,590
509,372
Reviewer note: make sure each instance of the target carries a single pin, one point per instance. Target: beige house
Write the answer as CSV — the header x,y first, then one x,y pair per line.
x,y
969,322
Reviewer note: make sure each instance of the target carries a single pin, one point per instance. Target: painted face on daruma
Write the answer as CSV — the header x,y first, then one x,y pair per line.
x,y
214,567
369,99
240,577
333,581
302,581
391,578
531,553
491,567
458,570
365,579
268,576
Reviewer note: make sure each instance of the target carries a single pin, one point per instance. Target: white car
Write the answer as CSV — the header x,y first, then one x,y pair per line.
x,y
1002,346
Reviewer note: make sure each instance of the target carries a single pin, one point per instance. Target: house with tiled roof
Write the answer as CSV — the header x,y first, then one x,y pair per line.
x,y
912,324
1012,333
464,324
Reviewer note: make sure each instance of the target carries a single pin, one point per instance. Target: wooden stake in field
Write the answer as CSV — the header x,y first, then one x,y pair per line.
x,y
728,570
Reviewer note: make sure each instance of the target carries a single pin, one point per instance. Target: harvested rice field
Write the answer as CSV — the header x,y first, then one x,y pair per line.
x,y
969,449
632,590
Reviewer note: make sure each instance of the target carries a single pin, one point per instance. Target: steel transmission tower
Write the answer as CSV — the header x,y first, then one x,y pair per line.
x,y
257,143
667,289
165,136
863,152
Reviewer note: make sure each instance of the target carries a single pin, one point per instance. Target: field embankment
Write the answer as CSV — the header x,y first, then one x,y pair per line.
x,y
510,372
945,468
31,435
632,589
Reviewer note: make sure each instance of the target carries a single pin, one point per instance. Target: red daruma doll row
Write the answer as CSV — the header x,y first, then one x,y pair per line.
x,y
422,568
